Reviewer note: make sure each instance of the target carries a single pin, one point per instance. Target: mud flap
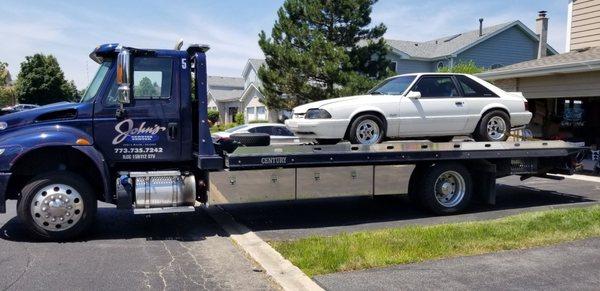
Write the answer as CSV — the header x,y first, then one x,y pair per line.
x,y
4,177
484,186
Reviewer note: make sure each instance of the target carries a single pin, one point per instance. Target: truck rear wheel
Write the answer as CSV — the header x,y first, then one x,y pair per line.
x,y
57,206
445,188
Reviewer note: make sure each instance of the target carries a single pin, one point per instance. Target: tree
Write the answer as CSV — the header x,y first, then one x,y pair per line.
x,y
41,81
146,88
7,96
321,49
4,74
213,116
463,67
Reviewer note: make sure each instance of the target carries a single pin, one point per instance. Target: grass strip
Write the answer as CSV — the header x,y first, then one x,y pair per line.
x,y
369,249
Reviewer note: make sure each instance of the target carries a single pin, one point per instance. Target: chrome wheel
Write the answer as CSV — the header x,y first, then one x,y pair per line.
x,y
450,189
496,128
57,207
368,132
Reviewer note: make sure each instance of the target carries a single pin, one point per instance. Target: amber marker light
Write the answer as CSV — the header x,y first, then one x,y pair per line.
x,y
83,141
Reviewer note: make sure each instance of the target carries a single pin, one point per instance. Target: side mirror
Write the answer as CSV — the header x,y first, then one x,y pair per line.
x,y
124,77
414,94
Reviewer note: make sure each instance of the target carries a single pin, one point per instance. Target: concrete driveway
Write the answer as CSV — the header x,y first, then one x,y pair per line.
x,y
127,252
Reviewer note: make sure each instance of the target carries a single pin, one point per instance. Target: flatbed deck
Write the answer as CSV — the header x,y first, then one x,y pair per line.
x,y
397,152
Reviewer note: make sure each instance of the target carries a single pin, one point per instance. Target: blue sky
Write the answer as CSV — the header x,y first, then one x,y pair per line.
x,y
71,29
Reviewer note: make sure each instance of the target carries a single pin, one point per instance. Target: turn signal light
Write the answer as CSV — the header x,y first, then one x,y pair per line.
x,y
83,141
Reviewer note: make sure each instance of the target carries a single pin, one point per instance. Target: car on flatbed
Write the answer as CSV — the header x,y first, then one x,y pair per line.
x,y
278,133
436,106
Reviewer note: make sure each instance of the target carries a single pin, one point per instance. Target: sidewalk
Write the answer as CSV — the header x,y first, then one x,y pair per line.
x,y
571,266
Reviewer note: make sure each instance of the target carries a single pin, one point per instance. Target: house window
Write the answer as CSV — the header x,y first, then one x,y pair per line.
x,y
393,66
261,113
496,66
440,65
250,114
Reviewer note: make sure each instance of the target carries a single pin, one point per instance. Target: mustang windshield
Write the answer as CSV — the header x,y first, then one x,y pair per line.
x,y
395,86
92,89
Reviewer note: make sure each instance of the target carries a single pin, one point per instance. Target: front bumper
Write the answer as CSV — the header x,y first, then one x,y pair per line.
x,y
4,178
318,128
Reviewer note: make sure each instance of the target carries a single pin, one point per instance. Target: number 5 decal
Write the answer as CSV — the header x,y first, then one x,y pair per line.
x,y
183,64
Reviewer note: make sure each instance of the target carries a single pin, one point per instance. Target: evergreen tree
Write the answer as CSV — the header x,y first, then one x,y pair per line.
x,y
146,88
321,49
41,81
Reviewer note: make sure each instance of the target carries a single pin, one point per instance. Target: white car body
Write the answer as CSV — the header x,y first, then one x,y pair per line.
x,y
410,117
267,128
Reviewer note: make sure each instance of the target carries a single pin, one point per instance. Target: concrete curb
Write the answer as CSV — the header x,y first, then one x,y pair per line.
x,y
282,271
582,178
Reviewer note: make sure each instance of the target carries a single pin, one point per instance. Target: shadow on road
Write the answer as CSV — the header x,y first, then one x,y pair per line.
x,y
363,210
113,224
307,214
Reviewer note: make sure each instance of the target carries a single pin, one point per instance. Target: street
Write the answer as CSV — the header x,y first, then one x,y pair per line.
x,y
190,251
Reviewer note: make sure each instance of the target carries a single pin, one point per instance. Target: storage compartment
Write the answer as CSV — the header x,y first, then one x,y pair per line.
x,y
252,186
334,182
392,179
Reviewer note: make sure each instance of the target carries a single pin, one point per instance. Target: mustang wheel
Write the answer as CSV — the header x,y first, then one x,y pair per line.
x,y
493,126
57,206
366,129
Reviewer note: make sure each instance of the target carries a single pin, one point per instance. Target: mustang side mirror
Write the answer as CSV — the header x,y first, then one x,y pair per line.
x,y
124,77
414,94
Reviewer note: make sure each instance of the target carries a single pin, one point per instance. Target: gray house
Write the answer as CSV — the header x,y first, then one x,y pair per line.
x,y
490,47
224,95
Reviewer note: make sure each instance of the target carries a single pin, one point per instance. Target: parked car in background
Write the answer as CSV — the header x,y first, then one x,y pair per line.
x,y
436,106
17,108
278,132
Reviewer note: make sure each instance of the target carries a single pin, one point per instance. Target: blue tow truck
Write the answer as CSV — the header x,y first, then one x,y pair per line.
x,y
140,139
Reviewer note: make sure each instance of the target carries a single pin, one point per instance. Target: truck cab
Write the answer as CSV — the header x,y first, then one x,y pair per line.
x,y
137,114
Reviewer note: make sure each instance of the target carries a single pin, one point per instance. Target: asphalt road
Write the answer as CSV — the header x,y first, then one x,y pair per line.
x,y
573,266
296,219
127,252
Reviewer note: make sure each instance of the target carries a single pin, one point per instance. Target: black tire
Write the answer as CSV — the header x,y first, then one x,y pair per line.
x,y
327,141
72,180
481,132
252,139
441,138
426,188
352,136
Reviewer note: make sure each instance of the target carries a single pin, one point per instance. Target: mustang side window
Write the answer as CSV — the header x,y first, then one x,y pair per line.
x,y
433,86
473,89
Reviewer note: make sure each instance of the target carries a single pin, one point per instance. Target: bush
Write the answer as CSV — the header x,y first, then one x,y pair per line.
x,y
213,116
463,67
222,127
258,121
239,118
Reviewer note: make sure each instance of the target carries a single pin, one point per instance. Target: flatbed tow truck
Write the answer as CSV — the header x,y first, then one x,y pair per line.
x,y
150,151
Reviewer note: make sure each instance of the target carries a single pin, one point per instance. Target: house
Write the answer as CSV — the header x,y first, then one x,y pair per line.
x,y
563,90
490,47
231,95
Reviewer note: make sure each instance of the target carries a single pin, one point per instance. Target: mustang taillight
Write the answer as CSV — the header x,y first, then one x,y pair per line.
x,y
526,105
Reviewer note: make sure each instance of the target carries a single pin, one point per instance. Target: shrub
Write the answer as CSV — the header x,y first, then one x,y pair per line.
x,y
463,67
239,118
213,116
258,121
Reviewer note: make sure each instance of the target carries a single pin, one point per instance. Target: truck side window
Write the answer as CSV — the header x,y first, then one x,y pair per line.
x,y
152,78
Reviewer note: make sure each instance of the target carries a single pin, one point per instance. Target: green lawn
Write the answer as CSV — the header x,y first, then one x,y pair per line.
x,y
368,249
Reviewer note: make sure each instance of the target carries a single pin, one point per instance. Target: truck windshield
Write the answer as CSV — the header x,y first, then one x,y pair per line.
x,y
395,86
92,89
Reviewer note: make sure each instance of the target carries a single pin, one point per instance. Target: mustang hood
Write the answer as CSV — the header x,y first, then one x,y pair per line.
x,y
56,111
303,108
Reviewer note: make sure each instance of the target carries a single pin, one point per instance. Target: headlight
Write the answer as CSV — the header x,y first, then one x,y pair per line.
x,y
3,125
317,114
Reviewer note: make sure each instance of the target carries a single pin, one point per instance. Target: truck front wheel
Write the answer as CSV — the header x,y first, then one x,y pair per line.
x,y
57,206
445,188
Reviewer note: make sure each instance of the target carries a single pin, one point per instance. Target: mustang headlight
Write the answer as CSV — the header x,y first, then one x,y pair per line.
x,y
3,125
316,113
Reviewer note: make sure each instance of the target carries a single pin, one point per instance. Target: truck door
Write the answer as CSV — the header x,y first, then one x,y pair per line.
x,y
149,130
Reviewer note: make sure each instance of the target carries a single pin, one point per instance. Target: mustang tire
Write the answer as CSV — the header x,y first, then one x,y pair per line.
x,y
493,126
366,129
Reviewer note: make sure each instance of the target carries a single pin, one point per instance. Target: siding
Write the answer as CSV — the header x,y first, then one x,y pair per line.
x,y
561,86
508,47
585,24
404,66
